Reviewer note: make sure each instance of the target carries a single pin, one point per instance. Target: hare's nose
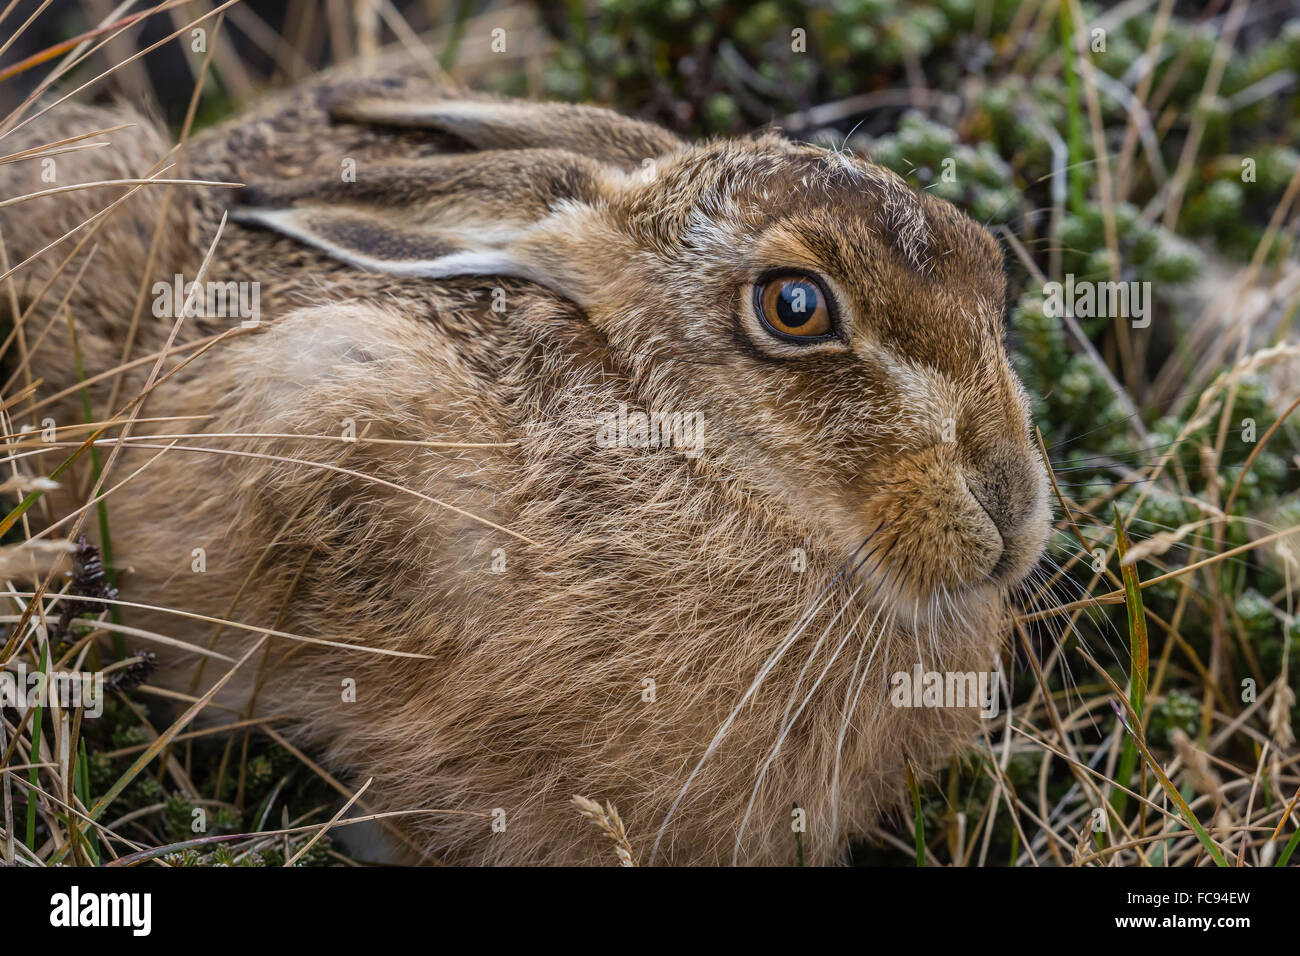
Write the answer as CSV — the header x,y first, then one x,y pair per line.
x,y
1004,486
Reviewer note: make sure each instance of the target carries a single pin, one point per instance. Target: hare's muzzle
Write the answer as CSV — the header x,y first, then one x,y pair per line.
x,y
1011,488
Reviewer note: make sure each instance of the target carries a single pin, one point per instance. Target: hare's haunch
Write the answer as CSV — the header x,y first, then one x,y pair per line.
x,y
595,461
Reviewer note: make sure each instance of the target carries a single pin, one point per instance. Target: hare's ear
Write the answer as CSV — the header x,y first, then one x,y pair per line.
x,y
497,213
491,124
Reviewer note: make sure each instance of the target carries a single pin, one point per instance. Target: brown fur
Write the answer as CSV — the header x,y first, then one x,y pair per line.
x,y
623,282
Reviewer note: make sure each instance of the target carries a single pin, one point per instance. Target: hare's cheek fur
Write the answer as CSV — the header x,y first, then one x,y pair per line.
x,y
938,472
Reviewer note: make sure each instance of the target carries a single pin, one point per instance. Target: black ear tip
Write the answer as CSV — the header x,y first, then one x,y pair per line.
x,y
254,194
340,112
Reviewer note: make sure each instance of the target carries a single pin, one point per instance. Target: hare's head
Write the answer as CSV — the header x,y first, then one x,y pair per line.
x,y
840,333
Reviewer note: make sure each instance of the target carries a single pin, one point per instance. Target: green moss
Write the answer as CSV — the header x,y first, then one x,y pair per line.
x,y
1176,710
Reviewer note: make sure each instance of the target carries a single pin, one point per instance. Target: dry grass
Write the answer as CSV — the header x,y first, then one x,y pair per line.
x,y
608,822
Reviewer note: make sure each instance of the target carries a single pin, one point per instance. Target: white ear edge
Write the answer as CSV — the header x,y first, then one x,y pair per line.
x,y
284,222
462,263
484,262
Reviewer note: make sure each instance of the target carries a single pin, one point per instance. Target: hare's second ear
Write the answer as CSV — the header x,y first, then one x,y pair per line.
x,y
371,241
491,124
477,214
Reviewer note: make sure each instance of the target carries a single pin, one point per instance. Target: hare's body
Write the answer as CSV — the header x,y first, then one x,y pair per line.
x,y
704,639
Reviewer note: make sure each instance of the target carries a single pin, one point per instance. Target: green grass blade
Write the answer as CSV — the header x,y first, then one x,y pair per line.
x,y
1139,661
12,517
1290,848
1074,116
1170,789
919,826
81,784
451,52
1139,658
33,775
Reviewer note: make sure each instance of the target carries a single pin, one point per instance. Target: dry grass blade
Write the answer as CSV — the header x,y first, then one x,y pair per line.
x,y
44,56
335,819
607,820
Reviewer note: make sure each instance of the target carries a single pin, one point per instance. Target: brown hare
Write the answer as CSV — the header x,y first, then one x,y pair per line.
x,y
566,457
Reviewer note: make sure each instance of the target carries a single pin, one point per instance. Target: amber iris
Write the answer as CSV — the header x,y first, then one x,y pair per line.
x,y
794,306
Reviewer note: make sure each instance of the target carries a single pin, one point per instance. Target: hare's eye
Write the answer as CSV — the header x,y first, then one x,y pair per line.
x,y
794,306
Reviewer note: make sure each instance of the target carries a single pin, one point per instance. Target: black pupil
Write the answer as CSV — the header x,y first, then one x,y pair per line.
x,y
797,303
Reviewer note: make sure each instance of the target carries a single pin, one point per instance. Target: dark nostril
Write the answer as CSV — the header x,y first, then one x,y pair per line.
x,y
994,499
1002,566
1006,482
999,517
1003,485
